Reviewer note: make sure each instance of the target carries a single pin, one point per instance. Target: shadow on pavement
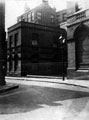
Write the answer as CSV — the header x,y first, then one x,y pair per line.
x,y
28,98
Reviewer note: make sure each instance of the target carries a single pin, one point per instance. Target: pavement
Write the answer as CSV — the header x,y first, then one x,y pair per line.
x,y
11,82
52,79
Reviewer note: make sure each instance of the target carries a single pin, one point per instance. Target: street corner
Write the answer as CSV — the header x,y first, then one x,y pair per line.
x,y
8,87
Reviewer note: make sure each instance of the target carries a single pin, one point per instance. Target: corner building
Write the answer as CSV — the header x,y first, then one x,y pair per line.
x,y
33,46
33,49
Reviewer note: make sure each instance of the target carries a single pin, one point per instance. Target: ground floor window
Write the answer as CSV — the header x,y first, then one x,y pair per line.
x,y
10,62
15,62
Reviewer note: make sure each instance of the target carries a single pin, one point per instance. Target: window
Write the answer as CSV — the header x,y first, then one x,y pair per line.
x,y
64,17
15,62
35,38
23,18
34,42
16,39
39,16
10,41
10,63
52,18
58,18
29,17
32,16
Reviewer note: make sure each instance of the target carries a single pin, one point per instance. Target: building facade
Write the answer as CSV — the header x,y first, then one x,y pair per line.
x,y
33,45
34,49
62,19
77,26
78,43
42,14
38,51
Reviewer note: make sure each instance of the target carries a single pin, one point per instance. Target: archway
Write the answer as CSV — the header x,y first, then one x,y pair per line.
x,y
81,37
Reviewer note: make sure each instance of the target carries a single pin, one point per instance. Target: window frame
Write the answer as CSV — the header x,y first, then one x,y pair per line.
x,y
32,16
64,17
52,18
35,39
16,37
10,41
16,58
39,15
29,17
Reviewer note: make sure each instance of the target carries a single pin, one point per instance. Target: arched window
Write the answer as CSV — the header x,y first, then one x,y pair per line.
x,y
15,62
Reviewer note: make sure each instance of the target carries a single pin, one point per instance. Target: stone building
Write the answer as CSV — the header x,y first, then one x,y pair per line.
x,y
62,19
33,45
42,14
77,25
34,49
78,42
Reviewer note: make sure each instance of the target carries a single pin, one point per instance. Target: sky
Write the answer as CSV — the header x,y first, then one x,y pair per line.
x,y
15,8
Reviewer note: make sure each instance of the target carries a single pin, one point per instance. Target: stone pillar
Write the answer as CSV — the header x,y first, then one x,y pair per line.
x,y
2,44
71,58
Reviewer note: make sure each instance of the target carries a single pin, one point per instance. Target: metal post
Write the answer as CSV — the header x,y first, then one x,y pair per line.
x,y
2,43
63,61
62,41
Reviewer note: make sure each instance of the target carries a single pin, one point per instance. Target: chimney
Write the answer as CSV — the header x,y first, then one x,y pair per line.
x,y
26,7
72,7
45,1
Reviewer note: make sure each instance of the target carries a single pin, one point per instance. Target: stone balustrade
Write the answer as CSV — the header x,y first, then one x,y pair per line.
x,y
78,17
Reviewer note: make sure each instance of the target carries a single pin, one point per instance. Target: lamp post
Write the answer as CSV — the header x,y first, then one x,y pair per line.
x,y
62,41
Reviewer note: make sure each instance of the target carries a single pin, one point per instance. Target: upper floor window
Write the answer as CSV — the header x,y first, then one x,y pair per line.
x,y
52,18
32,16
23,18
29,17
35,38
58,18
10,41
16,38
39,16
64,17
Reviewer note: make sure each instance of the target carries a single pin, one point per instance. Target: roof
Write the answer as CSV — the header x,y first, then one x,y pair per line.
x,y
41,6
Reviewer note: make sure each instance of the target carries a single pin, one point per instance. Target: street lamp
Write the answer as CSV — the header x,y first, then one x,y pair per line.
x,y
62,41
